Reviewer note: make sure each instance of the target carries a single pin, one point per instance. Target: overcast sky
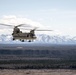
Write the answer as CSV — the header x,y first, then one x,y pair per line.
x,y
58,15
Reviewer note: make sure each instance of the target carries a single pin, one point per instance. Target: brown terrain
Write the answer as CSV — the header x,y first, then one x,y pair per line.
x,y
38,72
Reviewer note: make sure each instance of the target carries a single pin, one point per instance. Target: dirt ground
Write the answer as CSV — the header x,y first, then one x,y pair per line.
x,y
38,72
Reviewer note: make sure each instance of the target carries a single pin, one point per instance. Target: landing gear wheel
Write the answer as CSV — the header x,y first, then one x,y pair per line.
x,y
13,39
29,41
22,40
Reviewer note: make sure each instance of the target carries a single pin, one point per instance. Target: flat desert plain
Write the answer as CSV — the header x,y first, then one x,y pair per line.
x,y
38,72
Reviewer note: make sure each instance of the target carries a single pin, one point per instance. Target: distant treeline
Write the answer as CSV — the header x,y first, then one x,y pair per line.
x,y
38,64
58,54
37,57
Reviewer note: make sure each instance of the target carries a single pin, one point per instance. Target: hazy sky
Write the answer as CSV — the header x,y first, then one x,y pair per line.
x,y
59,15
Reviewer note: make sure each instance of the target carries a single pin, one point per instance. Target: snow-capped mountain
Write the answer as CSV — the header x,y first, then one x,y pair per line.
x,y
56,39
44,38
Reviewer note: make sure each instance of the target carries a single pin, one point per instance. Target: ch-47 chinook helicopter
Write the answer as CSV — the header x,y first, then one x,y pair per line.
x,y
22,36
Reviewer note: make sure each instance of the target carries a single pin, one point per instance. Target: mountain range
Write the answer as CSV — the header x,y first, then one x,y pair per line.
x,y
43,38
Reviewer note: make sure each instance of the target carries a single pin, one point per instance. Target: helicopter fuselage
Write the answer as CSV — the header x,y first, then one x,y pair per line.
x,y
17,34
23,36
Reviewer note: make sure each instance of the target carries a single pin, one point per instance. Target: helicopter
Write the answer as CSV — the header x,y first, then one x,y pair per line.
x,y
17,34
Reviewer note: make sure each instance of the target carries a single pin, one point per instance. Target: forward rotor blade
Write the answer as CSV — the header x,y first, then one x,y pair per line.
x,y
19,25
36,29
43,30
6,25
25,25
